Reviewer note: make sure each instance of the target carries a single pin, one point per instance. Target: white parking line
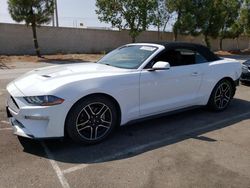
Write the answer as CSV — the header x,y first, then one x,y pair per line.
x,y
13,73
5,129
2,91
56,168
5,122
75,168
143,147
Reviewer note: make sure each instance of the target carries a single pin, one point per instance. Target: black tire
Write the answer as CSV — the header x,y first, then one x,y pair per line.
x,y
91,120
221,95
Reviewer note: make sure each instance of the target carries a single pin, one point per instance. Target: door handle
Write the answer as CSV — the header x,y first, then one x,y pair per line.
x,y
195,74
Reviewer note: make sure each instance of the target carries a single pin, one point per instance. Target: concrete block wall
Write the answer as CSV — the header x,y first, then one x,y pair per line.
x,y
17,39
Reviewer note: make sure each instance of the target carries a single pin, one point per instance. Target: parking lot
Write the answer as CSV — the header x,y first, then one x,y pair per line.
x,y
195,148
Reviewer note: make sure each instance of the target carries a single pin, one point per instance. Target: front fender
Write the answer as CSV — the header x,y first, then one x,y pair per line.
x,y
124,89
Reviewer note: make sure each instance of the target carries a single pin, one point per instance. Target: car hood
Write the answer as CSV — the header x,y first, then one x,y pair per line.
x,y
73,69
43,80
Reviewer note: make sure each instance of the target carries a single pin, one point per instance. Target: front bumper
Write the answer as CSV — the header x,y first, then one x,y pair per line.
x,y
35,121
18,127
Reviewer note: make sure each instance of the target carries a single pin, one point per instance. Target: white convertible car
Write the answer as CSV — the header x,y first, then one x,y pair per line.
x,y
86,101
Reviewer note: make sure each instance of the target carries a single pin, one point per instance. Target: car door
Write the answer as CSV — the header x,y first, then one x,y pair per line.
x,y
172,89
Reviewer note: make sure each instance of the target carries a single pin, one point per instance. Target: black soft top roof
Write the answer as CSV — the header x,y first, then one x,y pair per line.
x,y
203,50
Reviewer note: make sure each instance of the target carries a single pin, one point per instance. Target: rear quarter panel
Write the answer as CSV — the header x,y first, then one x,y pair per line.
x,y
216,71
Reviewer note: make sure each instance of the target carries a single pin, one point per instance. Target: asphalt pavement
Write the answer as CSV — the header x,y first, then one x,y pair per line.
x,y
195,148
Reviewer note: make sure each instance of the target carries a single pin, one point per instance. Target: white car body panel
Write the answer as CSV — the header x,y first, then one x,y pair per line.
x,y
168,90
139,92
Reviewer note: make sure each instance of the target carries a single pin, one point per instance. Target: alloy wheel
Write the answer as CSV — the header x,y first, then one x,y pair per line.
x,y
94,121
223,95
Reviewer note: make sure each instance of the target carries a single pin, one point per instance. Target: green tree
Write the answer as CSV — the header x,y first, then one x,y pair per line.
x,y
194,17
127,14
162,17
184,13
235,31
230,28
245,16
33,13
208,18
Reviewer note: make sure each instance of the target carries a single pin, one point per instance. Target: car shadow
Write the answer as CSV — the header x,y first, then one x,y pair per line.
x,y
138,138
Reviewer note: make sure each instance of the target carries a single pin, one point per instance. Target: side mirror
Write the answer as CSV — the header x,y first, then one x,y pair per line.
x,y
161,65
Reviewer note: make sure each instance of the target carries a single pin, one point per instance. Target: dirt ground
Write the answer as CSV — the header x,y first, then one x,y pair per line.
x,y
51,58
233,52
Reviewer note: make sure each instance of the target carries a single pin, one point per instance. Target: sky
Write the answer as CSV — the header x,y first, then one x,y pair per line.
x,y
70,12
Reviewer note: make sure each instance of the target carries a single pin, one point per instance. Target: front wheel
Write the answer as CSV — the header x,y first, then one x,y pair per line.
x,y
91,120
221,95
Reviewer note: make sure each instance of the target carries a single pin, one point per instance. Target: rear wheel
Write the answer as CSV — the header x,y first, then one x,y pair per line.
x,y
91,120
221,95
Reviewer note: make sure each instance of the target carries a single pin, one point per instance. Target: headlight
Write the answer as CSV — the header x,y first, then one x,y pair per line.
x,y
46,100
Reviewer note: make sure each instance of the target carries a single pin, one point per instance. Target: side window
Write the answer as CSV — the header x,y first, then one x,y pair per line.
x,y
187,57
180,57
199,59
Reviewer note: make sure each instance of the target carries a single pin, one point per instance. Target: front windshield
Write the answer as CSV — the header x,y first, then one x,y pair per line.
x,y
128,57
